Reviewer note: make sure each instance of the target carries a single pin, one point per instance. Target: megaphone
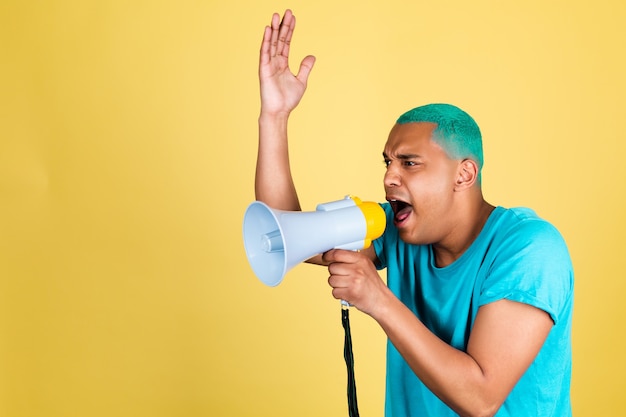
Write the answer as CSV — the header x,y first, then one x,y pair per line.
x,y
277,240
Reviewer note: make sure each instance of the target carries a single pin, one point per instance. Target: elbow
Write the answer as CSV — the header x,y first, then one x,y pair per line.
x,y
480,410
482,401
474,404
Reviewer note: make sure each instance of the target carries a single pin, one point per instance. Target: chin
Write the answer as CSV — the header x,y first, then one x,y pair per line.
x,y
408,237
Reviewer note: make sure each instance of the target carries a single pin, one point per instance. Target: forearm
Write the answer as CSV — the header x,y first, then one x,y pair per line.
x,y
273,181
453,375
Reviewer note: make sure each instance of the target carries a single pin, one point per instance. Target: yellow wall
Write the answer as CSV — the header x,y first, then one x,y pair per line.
x,y
127,149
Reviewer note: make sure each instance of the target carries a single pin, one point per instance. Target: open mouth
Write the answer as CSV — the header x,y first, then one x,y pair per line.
x,y
401,210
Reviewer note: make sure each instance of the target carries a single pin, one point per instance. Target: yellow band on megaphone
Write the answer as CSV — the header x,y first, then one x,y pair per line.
x,y
375,219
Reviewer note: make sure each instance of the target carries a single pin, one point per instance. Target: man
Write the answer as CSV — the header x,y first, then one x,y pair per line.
x,y
478,304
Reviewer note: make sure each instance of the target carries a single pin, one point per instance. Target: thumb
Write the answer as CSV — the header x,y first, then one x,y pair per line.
x,y
305,69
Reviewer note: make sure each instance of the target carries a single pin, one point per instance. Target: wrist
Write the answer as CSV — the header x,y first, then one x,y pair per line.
x,y
273,117
383,304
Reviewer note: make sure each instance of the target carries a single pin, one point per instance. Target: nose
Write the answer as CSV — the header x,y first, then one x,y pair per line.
x,y
392,177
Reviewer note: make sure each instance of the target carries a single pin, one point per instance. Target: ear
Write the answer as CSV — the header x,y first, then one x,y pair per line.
x,y
467,175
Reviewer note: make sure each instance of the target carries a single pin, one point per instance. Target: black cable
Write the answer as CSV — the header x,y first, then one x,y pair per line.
x,y
353,408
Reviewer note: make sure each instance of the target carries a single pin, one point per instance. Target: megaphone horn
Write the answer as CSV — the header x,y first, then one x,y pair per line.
x,y
277,240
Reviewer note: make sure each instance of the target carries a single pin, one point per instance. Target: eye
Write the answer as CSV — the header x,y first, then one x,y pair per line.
x,y
409,163
386,162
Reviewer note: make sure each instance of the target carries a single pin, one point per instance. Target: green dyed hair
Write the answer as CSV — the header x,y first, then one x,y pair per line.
x,y
456,132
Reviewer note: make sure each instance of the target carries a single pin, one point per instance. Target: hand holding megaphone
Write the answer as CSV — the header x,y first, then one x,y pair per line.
x,y
277,240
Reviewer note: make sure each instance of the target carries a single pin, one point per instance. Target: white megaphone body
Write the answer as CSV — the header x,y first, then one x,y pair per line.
x,y
277,240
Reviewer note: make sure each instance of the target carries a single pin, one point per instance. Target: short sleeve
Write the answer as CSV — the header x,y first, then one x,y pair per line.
x,y
532,266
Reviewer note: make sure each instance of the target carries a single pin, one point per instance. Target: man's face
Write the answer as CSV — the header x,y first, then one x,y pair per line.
x,y
419,183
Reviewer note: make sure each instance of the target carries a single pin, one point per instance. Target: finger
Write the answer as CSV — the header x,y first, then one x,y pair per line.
x,y
342,268
264,56
283,33
339,281
340,294
341,289
274,35
329,256
305,69
288,37
340,255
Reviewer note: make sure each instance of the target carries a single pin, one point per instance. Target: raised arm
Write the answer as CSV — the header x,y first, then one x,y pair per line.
x,y
281,91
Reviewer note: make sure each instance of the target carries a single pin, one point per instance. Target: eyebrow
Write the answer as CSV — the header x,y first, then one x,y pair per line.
x,y
402,156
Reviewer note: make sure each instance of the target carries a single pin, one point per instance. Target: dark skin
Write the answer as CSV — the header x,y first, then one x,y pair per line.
x,y
442,205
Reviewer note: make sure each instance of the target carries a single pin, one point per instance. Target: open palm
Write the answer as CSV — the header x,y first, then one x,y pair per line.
x,y
281,90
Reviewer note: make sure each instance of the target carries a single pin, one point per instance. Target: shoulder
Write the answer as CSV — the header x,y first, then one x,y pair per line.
x,y
519,235
528,261
521,227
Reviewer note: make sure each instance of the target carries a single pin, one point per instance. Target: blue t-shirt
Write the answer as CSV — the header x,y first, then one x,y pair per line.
x,y
517,256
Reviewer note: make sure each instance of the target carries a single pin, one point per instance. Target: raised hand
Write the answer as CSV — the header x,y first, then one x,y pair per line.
x,y
281,90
